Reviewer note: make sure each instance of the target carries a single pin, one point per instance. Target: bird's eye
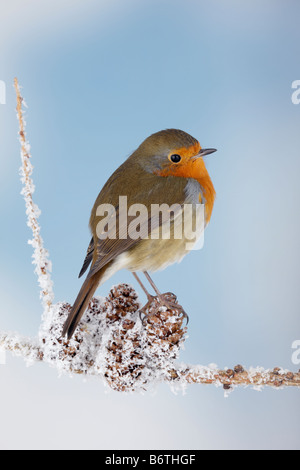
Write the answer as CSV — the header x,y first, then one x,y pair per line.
x,y
175,158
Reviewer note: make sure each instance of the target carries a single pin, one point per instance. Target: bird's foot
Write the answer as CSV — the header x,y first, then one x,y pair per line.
x,y
142,313
168,300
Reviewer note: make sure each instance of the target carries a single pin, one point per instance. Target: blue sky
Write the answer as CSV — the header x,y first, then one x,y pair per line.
x,y
99,77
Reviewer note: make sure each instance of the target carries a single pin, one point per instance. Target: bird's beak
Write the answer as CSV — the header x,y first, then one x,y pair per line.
x,y
204,152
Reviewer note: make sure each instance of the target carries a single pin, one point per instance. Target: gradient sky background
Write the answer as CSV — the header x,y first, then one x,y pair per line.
x,y
99,77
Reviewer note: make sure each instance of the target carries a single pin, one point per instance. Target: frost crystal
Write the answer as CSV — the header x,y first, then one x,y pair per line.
x,y
111,341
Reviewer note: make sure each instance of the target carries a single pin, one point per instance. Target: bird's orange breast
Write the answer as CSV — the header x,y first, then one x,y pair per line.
x,y
195,168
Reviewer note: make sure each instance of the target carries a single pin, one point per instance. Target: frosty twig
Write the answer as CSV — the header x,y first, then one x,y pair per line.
x,y
40,255
112,343
26,348
255,377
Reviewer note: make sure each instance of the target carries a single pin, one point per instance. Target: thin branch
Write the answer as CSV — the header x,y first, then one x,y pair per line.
x,y
40,256
238,376
19,346
258,378
113,344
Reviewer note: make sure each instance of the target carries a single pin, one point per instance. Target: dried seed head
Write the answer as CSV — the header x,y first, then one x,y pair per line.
x,y
230,373
290,376
112,341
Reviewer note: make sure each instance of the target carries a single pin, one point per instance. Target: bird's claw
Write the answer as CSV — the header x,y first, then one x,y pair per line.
x,y
164,300
173,305
142,313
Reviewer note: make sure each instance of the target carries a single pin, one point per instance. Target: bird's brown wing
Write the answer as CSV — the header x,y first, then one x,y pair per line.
x,y
109,248
112,246
88,258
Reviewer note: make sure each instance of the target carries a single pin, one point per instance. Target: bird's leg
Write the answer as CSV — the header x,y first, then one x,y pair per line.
x,y
149,297
149,279
164,298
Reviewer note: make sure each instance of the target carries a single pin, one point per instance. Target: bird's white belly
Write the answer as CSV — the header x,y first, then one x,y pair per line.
x,y
166,245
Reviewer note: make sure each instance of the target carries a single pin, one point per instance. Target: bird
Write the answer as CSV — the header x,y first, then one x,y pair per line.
x,y
167,168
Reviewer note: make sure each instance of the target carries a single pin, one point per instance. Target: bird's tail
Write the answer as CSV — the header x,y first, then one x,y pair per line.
x,y
87,291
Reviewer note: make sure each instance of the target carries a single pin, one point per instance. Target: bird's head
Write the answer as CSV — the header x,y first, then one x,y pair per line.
x,y
173,152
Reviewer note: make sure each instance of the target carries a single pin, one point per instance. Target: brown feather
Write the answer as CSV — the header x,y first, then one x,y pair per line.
x,y
88,258
82,301
149,189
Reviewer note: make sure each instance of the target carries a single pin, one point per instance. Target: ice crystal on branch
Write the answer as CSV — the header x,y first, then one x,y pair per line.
x,y
40,255
111,341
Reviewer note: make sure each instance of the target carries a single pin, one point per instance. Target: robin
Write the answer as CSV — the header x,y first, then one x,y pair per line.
x,y
167,168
